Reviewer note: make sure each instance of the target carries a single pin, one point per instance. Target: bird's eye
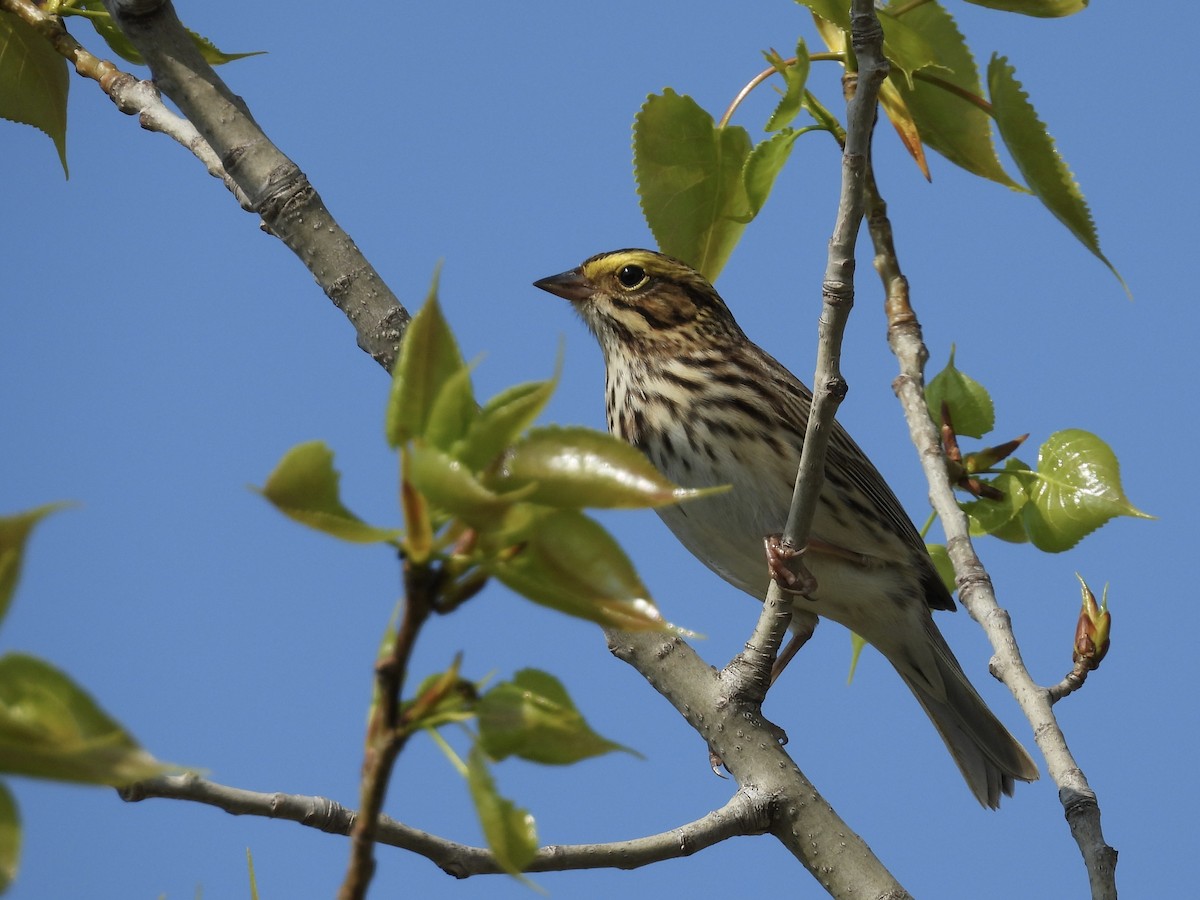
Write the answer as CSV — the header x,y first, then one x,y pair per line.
x,y
631,276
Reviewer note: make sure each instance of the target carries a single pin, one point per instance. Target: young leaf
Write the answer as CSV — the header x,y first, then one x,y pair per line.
x,y
14,533
763,165
121,45
576,467
1077,489
570,563
1042,9
971,407
945,568
51,728
453,488
897,112
1002,518
533,717
35,82
429,356
510,831
502,420
905,47
795,78
453,411
10,838
304,487
1034,152
689,178
951,124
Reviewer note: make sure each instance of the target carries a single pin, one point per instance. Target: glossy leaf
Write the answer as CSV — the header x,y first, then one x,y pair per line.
x,y
795,78
51,728
510,831
304,487
689,177
429,357
35,80
502,420
1034,152
971,407
453,488
949,122
764,164
1077,489
945,568
570,563
10,837
123,47
574,467
1002,518
14,534
1042,9
533,717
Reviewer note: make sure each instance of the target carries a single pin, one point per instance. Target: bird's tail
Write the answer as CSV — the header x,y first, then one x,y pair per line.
x,y
990,758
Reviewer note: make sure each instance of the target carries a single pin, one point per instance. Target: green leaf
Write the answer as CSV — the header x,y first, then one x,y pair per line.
x,y
570,563
1042,9
304,487
945,568
98,15
14,533
453,411
429,357
689,178
905,47
1077,489
51,728
575,467
453,488
510,831
954,126
971,407
1034,152
502,420
764,164
35,80
1002,518
253,877
10,838
795,78
533,717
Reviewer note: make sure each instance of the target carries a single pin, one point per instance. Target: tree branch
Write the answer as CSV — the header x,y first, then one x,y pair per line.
x,y
274,186
974,584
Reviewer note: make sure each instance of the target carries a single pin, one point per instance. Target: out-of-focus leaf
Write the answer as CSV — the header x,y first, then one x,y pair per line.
x,y
502,420
971,407
1002,518
570,563
35,80
689,177
429,357
441,698
14,533
121,45
952,125
304,487
1034,152
1077,489
253,878
453,488
795,77
533,717
510,831
10,838
453,411
941,562
1042,9
764,164
897,112
576,467
51,728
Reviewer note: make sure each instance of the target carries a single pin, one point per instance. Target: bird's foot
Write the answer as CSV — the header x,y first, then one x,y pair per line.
x,y
787,566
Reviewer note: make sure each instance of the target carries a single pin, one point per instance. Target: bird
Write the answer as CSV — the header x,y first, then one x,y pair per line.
x,y
707,406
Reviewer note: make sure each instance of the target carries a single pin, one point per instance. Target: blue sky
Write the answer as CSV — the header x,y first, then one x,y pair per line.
x,y
158,353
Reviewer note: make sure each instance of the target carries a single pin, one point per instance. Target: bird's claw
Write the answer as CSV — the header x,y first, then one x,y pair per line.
x,y
787,567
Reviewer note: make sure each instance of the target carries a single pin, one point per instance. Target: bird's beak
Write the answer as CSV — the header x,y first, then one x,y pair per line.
x,y
570,285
